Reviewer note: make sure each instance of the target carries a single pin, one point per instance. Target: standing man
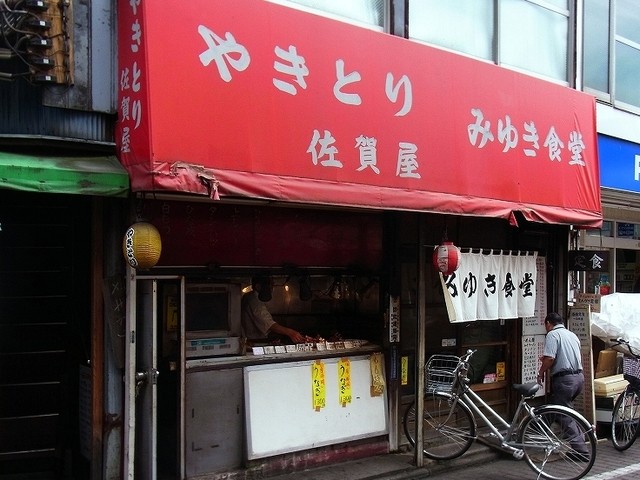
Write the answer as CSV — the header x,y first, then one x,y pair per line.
x,y
257,322
562,359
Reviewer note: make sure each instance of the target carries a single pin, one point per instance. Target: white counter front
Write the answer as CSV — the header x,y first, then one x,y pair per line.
x,y
281,416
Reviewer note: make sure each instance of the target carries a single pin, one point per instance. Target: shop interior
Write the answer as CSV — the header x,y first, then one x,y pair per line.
x,y
330,305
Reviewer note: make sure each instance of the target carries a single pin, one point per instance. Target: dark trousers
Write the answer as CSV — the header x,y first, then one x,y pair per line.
x,y
564,390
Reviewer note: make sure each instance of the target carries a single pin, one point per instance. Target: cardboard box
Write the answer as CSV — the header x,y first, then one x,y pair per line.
x,y
607,363
609,386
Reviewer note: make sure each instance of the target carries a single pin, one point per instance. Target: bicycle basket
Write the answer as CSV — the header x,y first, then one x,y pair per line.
x,y
631,370
439,373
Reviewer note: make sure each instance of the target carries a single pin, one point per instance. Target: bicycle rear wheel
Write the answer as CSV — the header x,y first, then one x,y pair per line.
x,y
558,443
448,428
625,420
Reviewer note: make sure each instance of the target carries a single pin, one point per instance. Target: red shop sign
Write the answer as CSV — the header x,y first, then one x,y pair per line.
x,y
251,98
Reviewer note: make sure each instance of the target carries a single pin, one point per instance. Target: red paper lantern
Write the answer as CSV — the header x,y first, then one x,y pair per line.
x,y
446,258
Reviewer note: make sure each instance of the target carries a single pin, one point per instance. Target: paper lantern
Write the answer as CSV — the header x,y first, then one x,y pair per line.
x,y
446,258
141,245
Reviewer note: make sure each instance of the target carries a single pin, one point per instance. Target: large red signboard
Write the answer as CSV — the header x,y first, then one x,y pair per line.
x,y
255,99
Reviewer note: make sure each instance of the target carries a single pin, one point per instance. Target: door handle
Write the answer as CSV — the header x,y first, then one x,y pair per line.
x,y
143,377
147,375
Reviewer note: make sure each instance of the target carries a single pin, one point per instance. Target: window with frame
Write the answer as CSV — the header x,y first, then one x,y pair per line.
x,y
372,13
494,30
612,51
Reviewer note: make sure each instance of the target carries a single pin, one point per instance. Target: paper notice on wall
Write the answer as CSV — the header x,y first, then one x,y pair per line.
x,y
344,381
377,374
318,380
579,322
532,349
591,299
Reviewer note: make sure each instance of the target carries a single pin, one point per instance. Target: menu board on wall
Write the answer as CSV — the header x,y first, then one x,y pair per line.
x,y
532,348
533,330
579,322
535,325
591,299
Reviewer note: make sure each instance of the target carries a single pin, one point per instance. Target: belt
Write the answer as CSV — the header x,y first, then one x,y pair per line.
x,y
562,373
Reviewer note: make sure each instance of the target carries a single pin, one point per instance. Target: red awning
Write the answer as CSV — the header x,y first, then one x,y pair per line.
x,y
250,104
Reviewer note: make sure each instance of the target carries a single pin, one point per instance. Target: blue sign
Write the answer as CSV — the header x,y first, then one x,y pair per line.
x,y
619,163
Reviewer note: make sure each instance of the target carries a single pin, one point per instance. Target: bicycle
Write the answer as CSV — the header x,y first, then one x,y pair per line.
x,y
625,418
546,436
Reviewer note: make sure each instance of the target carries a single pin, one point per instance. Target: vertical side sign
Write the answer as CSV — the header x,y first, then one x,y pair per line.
x,y
394,319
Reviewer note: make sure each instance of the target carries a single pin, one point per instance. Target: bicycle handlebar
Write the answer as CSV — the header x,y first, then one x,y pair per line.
x,y
467,356
625,343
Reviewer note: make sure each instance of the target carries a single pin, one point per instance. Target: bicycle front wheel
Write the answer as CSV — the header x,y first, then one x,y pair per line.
x,y
625,419
448,428
558,444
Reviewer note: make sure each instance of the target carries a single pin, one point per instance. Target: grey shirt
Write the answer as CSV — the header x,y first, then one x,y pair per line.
x,y
564,346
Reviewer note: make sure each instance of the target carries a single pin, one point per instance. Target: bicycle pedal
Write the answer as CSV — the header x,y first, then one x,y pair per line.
x,y
517,453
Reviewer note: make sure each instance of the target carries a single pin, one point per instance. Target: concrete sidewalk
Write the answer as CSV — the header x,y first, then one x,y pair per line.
x,y
394,466
478,463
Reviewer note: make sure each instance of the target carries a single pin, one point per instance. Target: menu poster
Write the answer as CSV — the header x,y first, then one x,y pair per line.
x,y
535,325
579,322
532,348
591,299
318,380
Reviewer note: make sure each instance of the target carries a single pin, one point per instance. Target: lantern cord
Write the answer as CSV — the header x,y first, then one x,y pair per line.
x,y
140,208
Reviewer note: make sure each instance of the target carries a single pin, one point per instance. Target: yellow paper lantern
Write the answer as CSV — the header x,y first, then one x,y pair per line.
x,y
142,245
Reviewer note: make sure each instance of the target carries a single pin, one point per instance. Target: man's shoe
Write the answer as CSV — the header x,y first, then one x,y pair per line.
x,y
578,456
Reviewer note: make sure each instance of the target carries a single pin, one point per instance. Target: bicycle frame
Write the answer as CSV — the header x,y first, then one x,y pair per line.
x,y
473,401
461,392
555,441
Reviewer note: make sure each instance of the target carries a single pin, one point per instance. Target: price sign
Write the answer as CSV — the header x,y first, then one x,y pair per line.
x,y
344,381
318,381
404,371
377,374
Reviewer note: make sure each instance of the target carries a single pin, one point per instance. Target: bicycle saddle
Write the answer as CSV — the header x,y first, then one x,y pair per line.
x,y
526,389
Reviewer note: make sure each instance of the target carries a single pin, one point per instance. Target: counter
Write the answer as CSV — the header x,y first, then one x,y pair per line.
x,y
271,401
219,363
